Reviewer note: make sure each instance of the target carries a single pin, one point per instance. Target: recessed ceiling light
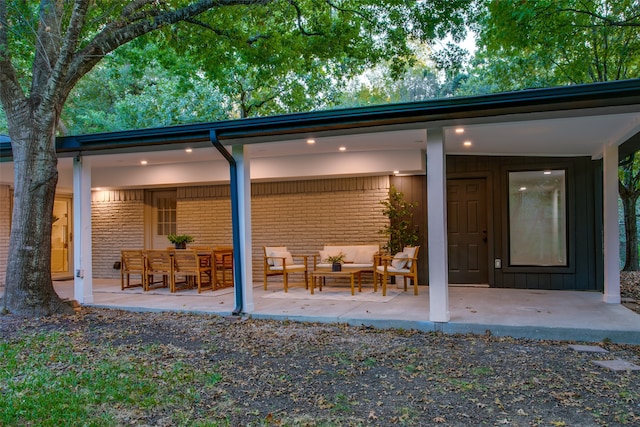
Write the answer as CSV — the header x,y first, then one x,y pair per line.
x,y
311,141
396,172
459,130
189,150
467,143
143,162
547,172
343,148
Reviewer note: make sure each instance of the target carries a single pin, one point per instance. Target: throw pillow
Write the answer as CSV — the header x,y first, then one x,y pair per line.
x,y
411,252
399,260
278,256
364,256
271,249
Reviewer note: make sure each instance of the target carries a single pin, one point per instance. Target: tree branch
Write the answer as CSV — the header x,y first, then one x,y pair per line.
x,y
299,19
11,92
66,51
351,11
632,21
133,23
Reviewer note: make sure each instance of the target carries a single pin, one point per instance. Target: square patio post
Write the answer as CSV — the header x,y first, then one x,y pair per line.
x,y
610,226
437,227
82,251
243,181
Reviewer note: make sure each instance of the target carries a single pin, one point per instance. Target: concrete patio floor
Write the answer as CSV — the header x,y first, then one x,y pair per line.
x,y
536,314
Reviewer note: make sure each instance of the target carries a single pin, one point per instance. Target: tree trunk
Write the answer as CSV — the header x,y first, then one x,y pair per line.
x,y
29,287
631,233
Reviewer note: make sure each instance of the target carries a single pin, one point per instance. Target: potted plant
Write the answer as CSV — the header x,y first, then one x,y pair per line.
x,y
336,261
400,231
180,240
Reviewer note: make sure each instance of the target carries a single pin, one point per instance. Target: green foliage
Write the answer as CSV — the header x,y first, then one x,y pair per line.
x,y
36,391
255,60
549,43
336,259
400,230
180,238
139,86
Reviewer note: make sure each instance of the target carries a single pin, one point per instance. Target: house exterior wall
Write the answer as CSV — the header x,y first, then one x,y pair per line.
x,y
5,229
117,223
302,215
306,215
584,271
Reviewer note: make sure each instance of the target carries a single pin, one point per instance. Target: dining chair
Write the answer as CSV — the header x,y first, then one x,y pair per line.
x,y
159,262
132,262
189,268
222,262
278,261
403,264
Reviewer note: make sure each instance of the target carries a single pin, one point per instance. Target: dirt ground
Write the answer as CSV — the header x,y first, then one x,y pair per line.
x,y
302,374
630,290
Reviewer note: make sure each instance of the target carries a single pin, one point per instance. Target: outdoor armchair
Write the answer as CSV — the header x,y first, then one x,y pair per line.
x,y
403,264
278,261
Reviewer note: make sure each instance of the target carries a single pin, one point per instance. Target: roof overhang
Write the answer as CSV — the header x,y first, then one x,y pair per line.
x,y
602,100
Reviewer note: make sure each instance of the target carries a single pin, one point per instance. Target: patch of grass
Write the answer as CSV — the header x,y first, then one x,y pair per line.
x,y
482,371
49,379
369,362
341,403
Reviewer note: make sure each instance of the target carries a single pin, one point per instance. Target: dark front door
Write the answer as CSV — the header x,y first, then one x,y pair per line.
x,y
467,231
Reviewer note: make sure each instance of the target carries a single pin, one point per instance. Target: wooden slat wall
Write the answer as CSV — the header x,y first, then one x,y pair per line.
x,y
414,190
583,196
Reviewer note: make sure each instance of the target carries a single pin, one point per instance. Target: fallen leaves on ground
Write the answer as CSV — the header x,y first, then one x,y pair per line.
x,y
283,373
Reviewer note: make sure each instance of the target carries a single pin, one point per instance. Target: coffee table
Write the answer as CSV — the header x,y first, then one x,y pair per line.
x,y
320,273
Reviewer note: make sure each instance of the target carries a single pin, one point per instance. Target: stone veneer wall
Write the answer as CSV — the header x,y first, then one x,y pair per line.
x,y
302,215
117,223
5,229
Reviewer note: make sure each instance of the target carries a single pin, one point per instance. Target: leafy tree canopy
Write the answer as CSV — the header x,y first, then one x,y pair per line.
x,y
48,46
548,43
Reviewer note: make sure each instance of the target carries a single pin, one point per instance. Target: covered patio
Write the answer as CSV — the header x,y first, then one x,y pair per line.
x,y
577,132
523,313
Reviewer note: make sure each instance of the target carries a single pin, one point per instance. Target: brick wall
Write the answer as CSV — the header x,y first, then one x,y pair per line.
x,y
117,223
302,215
205,214
5,229
306,215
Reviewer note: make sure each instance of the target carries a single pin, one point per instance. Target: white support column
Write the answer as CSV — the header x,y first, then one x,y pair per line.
x,y
611,232
82,258
437,227
243,168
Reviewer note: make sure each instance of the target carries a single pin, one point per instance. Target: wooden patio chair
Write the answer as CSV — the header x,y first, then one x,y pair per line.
x,y
159,262
278,261
222,262
132,262
403,264
189,269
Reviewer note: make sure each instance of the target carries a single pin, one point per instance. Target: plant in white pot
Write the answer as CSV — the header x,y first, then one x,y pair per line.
x,y
336,261
180,240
